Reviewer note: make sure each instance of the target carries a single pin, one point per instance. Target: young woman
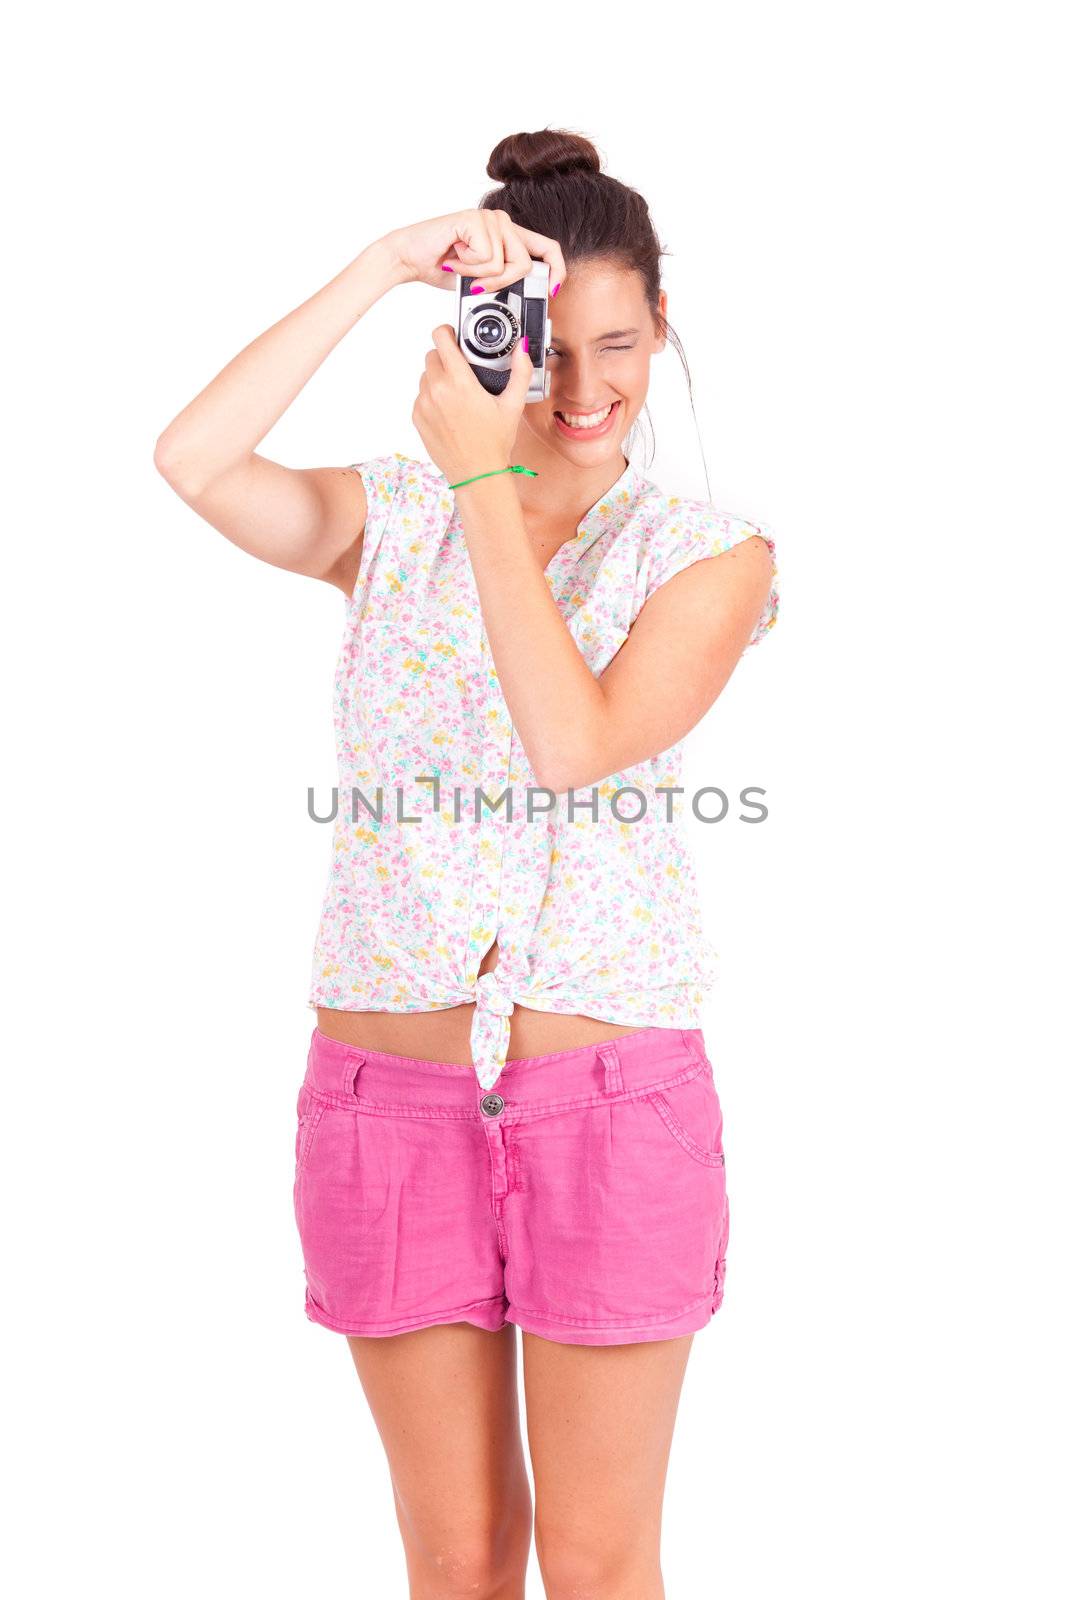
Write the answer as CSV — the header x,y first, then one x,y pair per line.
x,y
509,1118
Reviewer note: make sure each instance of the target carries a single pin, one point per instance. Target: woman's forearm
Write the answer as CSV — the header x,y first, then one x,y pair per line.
x,y
226,421
555,702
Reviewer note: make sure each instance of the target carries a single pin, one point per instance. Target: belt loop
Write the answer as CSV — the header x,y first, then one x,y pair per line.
x,y
355,1059
609,1055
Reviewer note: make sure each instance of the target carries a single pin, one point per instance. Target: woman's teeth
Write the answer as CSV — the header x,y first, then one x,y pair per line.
x,y
585,419
591,419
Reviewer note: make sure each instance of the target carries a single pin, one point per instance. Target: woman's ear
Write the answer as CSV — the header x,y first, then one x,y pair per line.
x,y
661,338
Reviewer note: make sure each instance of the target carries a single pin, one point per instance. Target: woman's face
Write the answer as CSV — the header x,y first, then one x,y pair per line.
x,y
603,338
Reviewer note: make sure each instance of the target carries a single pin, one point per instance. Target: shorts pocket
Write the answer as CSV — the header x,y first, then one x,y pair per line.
x,y
690,1111
309,1110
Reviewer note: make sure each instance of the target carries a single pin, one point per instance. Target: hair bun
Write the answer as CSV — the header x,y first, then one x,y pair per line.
x,y
544,154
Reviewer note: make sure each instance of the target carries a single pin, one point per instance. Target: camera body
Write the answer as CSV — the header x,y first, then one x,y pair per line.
x,y
489,326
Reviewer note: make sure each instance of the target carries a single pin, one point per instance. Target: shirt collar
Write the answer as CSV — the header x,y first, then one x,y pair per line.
x,y
614,500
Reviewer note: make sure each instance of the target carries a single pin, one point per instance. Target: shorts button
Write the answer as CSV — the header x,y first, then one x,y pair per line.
x,y
492,1105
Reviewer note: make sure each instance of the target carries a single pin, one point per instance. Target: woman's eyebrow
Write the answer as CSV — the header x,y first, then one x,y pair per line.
x,y
616,333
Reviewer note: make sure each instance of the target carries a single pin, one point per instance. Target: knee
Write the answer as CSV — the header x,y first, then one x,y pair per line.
x,y
576,1570
471,1568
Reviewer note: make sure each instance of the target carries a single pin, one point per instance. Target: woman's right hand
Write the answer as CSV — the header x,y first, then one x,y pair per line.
x,y
481,243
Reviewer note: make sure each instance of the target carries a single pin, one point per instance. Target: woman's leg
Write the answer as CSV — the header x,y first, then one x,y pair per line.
x,y
445,1401
600,1419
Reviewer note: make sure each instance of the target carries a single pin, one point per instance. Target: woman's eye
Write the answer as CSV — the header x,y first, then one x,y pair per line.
x,y
552,351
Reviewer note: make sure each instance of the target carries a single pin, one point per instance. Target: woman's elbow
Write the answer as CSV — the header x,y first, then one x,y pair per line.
x,y
563,771
168,462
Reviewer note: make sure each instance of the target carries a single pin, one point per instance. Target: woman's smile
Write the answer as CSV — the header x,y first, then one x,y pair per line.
x,y
586,429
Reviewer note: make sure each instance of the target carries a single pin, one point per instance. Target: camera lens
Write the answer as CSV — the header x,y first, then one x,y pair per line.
x,y
491,332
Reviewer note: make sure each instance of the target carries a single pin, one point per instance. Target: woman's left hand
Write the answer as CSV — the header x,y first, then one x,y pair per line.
x,y
467,430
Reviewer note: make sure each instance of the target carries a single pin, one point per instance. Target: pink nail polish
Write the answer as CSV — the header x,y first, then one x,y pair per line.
x,y
477,288
445,268
555,291
526,341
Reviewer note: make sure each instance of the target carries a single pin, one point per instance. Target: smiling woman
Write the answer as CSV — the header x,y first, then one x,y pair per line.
x,y
508,1118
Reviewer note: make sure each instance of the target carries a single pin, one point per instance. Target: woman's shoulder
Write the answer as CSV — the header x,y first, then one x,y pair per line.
x,y
681,529
668,518
400,488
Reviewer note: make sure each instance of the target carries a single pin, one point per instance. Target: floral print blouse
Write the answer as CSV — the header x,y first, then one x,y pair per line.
x,y
443,840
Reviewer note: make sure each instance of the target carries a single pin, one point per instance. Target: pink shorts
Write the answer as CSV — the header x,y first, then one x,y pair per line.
x,y
582,1198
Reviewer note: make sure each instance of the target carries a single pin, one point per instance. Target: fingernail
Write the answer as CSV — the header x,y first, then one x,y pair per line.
x,y
555,290
526,341
477,288
445,268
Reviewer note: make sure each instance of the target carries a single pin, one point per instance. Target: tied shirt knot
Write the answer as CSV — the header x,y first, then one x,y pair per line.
x,y
490,995
491,1028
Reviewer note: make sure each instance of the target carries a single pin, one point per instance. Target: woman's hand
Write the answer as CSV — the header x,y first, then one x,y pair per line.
x,y
467,430
484,244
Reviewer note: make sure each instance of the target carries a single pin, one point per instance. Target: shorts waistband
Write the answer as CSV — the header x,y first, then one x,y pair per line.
x,y
620,1067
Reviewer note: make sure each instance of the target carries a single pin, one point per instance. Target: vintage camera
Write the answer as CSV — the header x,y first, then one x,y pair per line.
x,y
489,326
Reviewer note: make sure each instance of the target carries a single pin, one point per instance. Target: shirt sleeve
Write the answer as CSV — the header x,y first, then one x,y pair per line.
x,y
384,478
700,532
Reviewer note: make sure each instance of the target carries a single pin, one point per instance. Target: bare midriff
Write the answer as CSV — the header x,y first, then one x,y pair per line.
x,y
445,1035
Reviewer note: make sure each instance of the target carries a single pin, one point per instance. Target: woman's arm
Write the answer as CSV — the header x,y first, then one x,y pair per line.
x,y
307,520
576,728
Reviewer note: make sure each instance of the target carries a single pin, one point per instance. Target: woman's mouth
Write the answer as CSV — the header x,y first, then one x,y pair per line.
x,y
588,427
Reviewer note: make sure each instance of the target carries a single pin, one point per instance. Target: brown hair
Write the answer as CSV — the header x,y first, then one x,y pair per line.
x,y
552,183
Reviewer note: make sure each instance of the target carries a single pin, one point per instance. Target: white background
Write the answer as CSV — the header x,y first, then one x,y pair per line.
x,y
861,207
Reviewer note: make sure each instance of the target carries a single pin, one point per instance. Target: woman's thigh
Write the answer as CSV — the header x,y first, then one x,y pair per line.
x,y
600,1421
445,1402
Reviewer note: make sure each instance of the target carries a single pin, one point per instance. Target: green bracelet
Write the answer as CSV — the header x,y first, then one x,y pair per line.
x,y
493,474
